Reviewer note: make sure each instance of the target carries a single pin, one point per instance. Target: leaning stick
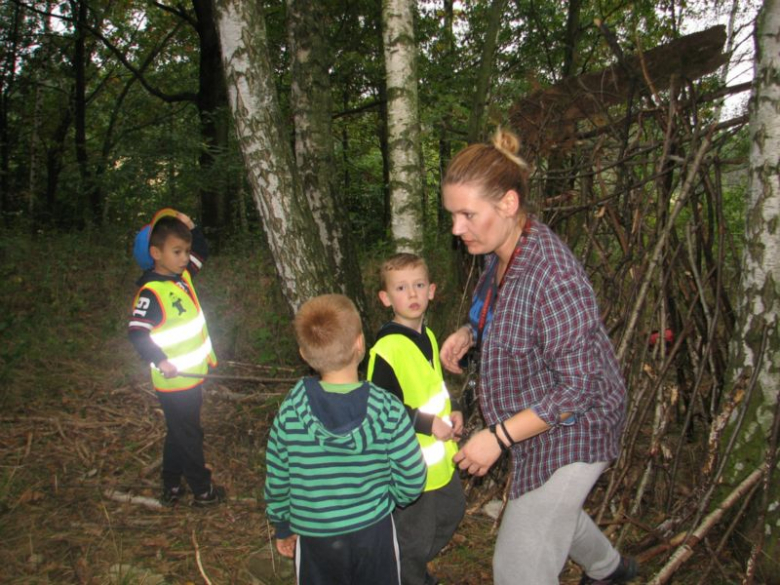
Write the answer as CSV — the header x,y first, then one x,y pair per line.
x,y
238,378
685,551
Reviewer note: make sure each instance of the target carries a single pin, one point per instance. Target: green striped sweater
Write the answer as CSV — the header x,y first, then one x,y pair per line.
x,y
319,483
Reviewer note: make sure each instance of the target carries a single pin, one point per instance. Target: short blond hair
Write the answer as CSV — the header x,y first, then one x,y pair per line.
x,y
326,328
400,261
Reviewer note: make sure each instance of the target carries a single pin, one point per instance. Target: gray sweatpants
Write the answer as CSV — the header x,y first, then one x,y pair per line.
x,y
543,527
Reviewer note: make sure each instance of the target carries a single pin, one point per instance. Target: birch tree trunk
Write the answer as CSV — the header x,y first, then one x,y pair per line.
x,y
310,101
755,352
403,125
299,256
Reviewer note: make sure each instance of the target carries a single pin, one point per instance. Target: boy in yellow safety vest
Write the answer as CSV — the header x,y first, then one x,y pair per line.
x,y
169,331
405,362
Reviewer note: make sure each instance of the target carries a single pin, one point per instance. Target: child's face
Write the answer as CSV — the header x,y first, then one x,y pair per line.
x,y
408,291
172,258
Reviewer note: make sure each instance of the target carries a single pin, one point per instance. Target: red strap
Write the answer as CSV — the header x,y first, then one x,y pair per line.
x,y
492,293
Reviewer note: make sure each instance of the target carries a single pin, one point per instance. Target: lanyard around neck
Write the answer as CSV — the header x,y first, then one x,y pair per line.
x,y
492,294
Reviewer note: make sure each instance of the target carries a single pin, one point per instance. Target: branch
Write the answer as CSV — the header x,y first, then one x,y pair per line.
x,y
186,96
198,561
685,551
358,110
693,171
128,499
178,11
169,98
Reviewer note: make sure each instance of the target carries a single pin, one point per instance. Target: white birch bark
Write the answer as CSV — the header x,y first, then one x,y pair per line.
x,y
310,103
298,253
759,304
403,125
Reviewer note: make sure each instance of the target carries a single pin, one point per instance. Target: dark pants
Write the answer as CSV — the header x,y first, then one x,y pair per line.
x,y
183,449
426,526
365,557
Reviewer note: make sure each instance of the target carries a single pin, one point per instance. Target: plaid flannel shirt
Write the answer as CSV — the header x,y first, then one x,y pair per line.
x,y
547,349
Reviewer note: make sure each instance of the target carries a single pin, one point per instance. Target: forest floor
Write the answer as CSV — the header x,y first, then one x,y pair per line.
x,y
68,465
81,431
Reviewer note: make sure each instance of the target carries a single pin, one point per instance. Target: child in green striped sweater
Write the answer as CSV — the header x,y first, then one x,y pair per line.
x,y
341,455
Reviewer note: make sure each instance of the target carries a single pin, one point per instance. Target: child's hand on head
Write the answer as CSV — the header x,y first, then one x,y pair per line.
x,y
185,219
441,430
286,546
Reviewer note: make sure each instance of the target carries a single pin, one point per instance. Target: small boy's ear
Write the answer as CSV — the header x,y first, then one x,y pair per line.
x,y
155,252
385,298
431,291
360,347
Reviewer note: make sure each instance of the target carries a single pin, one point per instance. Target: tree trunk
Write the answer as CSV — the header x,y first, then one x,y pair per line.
x,y
310,103
755,352
81,59
557,180
403,125
54,163
212,102
7,76
384,148
445,143
293,236
486,67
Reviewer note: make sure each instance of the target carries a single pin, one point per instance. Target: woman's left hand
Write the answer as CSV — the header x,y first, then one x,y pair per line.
x,y
479,454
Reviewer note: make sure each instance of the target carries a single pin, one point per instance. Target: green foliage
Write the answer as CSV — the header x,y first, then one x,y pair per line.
x,y
144,152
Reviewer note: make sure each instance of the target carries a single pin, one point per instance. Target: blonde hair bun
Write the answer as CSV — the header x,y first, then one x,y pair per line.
x,y
508,144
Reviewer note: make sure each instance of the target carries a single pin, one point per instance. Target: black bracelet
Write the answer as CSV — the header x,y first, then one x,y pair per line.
x,y
507,435
504,447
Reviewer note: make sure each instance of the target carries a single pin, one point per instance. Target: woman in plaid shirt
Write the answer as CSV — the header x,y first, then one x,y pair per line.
x,y
551,390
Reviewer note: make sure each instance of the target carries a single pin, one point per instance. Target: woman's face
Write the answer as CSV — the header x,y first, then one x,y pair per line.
x,y
484,226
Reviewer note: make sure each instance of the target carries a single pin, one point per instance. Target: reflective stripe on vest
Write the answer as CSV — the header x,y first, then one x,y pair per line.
x,y
437,404
177,334
183,335
424,389
192,359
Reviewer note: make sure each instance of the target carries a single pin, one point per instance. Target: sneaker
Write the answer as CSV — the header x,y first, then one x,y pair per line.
x,y
215,495
171,496
625,572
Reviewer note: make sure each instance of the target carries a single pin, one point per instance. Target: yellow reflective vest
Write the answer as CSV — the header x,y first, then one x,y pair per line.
x,y
182,334
424,389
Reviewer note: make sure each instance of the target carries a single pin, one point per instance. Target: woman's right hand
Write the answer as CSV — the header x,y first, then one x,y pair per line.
x,y
479,454
454,348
